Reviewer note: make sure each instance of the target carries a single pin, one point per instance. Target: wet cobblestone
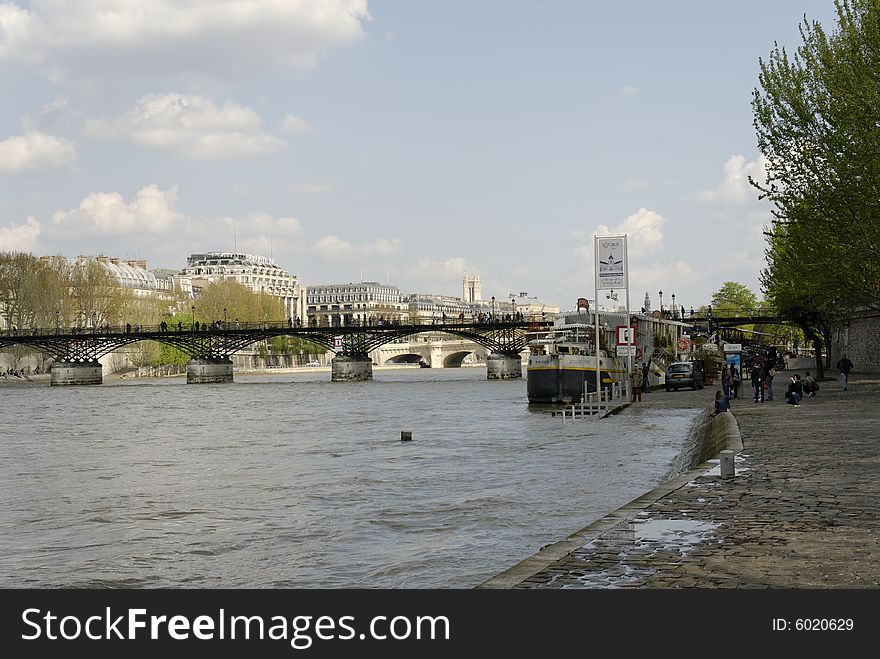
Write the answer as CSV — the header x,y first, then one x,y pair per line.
x,y
802,512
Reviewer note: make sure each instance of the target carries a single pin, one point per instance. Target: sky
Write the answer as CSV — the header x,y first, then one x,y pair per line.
x,y
405,141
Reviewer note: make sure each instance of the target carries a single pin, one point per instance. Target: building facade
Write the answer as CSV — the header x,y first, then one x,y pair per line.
x,y
259,273
364,303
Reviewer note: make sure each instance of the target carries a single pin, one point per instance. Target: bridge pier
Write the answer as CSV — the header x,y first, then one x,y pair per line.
x,y
345,368
70,373
209,371
500,366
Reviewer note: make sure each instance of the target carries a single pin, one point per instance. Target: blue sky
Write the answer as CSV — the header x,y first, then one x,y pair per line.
x,y
405,140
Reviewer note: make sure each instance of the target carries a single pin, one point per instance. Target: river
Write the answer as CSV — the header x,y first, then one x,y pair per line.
x,y
292,481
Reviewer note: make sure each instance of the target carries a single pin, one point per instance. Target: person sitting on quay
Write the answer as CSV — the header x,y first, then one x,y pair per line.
x,y
722,403
810,384
795,392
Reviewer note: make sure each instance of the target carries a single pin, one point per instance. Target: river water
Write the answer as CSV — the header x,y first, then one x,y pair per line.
x,y
291,481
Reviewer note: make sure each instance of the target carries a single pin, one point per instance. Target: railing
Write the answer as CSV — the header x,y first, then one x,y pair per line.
x,y
238,326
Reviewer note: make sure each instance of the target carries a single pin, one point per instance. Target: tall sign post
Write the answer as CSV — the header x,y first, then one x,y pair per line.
x,y
612,273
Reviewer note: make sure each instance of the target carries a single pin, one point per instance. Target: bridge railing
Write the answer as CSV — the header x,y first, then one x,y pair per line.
x,y
238,326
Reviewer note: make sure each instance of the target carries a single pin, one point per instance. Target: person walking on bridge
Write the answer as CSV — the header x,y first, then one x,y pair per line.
x,y
845,366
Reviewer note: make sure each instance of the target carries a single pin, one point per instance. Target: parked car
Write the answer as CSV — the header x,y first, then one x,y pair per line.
x,y
685,374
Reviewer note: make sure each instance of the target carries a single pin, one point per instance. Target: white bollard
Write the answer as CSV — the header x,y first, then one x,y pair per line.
x,y
728,469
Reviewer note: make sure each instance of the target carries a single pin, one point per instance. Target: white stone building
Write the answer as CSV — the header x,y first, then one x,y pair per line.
x,y
259,273
363,303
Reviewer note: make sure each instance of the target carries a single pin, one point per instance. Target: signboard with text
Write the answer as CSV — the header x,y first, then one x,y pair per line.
x,y
626,335
733,347
611,262
626,351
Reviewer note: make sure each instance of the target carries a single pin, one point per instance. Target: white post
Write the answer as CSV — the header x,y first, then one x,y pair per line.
x,y
630,395
596,313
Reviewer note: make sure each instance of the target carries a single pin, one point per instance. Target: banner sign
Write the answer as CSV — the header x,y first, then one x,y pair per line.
x,y
733,347
626,351
612,262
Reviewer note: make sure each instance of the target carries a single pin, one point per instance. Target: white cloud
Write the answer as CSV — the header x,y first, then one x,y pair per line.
x,y
736,189
642,229
293,125
151,212
69,39
628,90
313,186
192,127
34,152
333,247
20,237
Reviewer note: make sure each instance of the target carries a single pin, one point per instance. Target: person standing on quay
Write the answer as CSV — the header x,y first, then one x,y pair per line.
x,y
845,366
758,381
636,379
725,380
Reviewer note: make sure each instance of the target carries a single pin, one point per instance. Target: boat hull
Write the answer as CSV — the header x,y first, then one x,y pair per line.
x,y
560,379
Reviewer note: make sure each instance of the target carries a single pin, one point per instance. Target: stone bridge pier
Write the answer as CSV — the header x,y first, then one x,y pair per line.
x,y
503,366
351,368
70,373
213,370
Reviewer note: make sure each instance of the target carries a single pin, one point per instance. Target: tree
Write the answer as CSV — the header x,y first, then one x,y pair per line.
x,y
240,303
817,119
734,299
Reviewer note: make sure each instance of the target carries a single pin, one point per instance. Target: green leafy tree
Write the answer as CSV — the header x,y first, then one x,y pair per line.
x,y
734,299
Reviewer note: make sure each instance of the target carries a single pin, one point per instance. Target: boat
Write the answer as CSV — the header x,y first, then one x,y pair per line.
x,y
562,363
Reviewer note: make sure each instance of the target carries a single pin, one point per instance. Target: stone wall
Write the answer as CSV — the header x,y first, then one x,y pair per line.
x,y
859,338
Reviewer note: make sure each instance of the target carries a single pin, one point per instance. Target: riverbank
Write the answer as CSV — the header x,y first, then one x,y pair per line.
x,y
801,511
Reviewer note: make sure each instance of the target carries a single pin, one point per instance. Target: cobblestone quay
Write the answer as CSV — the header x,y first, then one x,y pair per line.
x,y
803,510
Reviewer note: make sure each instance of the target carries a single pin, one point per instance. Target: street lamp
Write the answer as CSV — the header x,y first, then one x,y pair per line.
x,y
674,314
661,304
224,318
709,318
512,308
493,308
57,323
192,325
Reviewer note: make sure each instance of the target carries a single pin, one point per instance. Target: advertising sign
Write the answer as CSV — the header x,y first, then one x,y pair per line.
x,y
612,262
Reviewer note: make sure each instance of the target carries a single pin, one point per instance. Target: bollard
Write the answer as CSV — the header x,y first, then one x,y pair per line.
x,y
728,469
406,435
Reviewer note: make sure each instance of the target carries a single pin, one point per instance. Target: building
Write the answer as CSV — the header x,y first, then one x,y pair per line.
x,y
258,273
364,303
470,289
427,308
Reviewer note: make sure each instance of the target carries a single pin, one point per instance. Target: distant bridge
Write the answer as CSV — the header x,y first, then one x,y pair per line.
x,y
76,351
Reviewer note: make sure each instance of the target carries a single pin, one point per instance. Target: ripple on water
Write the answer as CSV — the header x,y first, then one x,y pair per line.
x,y
298,481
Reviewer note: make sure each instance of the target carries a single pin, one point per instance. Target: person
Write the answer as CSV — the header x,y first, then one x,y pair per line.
x,y
810,385
645,378
769,372
722,403
845,366
636,378
795,392
758,381
734,381
725,380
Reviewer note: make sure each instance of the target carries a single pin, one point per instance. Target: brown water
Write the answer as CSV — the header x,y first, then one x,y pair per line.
x,y
291,481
